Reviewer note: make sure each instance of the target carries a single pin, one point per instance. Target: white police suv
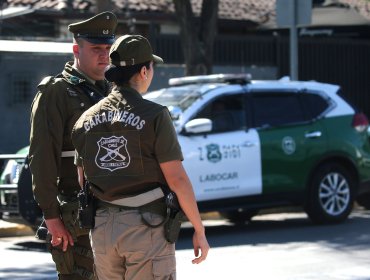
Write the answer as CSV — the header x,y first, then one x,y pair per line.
x,y
252,145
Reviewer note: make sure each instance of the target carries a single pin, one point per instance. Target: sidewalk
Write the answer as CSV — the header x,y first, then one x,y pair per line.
x,y
11,229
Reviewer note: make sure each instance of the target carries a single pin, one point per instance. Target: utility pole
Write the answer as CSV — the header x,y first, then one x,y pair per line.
x,y
293,42
292,14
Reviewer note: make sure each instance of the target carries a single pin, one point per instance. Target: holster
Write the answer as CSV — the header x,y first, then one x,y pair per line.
x,y
86,208
175,217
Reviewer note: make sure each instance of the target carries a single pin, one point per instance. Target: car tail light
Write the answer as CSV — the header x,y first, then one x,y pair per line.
x,y
360,122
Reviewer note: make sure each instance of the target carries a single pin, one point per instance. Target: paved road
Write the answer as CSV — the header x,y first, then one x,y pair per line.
x,y
279,246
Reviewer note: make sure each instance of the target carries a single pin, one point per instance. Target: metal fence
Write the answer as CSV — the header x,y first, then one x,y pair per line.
x,y
340,61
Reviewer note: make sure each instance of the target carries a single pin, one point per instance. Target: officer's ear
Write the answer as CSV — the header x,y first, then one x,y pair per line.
x,y
144,73
76,49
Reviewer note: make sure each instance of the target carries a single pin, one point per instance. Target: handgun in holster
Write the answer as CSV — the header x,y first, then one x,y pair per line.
x,y
86,207
175,217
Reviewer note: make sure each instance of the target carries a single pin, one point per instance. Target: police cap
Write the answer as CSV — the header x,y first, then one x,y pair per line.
x,y
132,49
96,30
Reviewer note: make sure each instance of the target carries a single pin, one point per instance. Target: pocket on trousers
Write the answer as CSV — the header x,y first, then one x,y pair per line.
x,y
164,267
98,233
64,261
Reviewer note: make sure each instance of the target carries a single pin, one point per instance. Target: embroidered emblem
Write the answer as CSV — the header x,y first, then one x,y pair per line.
x,y
288,145
213,153
71,92
112,153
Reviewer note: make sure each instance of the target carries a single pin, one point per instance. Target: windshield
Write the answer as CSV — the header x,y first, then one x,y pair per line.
x,y
181,97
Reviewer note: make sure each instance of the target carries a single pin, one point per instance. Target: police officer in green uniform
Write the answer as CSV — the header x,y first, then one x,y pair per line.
x,y
58,104
127,149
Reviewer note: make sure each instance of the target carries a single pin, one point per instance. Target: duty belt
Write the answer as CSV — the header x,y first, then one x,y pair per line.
x,y
157,207
146,202
138,200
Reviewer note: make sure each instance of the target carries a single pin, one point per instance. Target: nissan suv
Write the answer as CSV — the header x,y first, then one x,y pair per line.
x,y
251,145
254,145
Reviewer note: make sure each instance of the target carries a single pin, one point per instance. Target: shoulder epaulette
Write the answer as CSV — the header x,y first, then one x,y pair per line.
x,y
45,81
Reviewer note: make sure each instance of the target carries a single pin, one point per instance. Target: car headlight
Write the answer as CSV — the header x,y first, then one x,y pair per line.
x,y
11,172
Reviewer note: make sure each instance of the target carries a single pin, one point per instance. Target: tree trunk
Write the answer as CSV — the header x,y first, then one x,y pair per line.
x,y
208,31
197,36
103,5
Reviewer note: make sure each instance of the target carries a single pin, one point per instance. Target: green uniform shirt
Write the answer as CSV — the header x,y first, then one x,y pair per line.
x,y
58,104
121,141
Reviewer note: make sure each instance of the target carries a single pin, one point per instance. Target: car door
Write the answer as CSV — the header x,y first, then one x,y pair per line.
x,y
292,140
225,162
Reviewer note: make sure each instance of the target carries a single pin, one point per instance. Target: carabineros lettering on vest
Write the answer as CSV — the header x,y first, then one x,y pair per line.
x,y
124,117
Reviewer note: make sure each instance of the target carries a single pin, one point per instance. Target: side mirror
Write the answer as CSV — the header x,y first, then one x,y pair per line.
x,y
198,126
175,112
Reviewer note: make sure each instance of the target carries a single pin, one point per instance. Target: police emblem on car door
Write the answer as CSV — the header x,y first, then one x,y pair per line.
x,y
226,161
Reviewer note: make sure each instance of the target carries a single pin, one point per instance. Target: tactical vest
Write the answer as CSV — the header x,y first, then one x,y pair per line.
x,y
118,141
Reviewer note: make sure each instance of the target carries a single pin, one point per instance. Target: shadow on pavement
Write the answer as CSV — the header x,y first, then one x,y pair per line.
x,y
29,246
268,230
271,231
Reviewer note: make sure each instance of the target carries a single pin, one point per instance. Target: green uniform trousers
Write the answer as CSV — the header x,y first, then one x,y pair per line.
x,y
77,262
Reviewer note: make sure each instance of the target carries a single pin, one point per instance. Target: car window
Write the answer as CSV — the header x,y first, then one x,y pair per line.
x,y
315,104
276,109
181,97
226,112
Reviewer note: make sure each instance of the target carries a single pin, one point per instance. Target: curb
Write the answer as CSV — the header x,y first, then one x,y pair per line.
x,y
12,229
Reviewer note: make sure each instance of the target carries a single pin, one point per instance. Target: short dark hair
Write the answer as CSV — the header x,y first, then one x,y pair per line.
x,y
120,75
78,41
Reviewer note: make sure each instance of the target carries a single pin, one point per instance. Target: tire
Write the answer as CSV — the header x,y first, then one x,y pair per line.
x,y
240,217
364,200
331,194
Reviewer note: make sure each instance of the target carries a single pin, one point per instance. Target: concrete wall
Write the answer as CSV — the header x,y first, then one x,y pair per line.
x,y
14,70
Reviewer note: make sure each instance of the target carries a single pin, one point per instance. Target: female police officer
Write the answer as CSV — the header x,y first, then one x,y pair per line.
x,y
127,148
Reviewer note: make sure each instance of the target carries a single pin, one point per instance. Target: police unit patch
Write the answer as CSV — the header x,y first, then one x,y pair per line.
x,y
213,153
288,145
112,153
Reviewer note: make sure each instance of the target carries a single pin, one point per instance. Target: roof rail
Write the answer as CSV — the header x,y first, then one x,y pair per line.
x,y
242,78
284,79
